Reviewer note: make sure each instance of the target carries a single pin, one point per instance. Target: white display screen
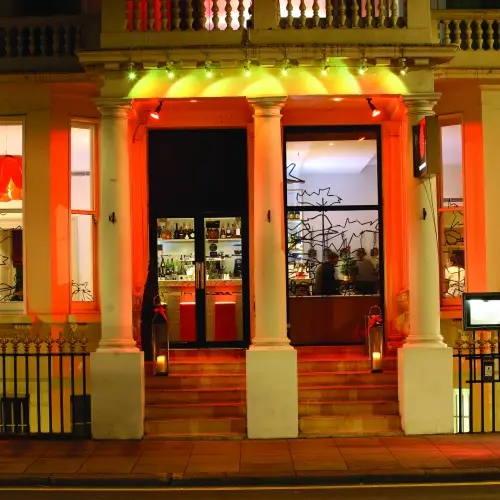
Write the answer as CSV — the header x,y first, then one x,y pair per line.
x,y
484,312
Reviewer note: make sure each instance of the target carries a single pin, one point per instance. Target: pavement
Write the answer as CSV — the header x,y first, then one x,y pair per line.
x,y
328,461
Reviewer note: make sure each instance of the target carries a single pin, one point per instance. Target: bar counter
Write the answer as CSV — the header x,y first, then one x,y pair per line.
x,y
335,319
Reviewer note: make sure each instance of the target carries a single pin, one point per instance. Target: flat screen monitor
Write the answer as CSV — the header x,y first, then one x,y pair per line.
x,y
419,133
481,311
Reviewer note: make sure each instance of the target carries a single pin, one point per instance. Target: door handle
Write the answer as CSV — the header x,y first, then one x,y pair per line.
x,y
197,275
203,276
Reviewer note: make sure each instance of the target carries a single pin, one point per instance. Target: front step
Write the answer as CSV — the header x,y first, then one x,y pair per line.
x,y
187,396
350,378
348,393
196,426
348,424
210,410
196,381
314,409
329,364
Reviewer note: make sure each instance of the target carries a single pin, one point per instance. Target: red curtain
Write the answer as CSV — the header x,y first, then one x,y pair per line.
x,y
11,176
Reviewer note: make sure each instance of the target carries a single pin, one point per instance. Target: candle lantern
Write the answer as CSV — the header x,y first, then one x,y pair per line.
x,y
375,338
160,340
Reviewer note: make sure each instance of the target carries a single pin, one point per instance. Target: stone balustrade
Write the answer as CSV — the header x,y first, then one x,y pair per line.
x,y
476,30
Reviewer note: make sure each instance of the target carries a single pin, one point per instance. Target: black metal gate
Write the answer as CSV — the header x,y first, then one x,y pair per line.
x,y
477,360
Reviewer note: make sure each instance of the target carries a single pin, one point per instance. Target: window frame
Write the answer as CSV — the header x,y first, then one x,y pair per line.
x,y
21,306
448,303
92,124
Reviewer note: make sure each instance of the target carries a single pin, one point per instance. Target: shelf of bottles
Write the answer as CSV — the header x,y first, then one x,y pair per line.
x,y
297,264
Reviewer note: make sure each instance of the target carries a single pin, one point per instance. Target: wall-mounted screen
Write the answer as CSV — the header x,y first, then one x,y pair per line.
x,y
481,311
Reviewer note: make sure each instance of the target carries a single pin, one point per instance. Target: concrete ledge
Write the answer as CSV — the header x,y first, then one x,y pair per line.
x,y
317,478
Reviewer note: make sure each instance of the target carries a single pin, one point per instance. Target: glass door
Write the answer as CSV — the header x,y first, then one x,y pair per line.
x,y
202,279
223,280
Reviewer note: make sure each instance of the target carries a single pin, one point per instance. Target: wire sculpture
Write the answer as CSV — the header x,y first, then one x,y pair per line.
x,y
81,292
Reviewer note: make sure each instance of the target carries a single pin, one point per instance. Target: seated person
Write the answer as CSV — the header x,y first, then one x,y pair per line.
x,y
326,282
367,277
454,275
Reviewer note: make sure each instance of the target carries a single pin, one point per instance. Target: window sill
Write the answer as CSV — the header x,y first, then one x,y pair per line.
x,y
451,311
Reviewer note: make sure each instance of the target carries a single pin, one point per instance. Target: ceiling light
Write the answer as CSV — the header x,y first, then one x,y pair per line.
x,y
131,72
338,99
247,68
156,113
193,100
286,68
364,66
209,73
330,144
403,68
375,111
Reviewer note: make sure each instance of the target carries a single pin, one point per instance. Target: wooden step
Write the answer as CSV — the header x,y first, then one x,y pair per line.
x,y
197,437
208,355
329,364
208,410
187,396
332,350
212,367
196,381
349,378
348,393
335,425
192,426
312,409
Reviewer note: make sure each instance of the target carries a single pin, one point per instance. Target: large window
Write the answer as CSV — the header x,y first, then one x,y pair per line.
x,y
11,215
334,244
451,213
83,213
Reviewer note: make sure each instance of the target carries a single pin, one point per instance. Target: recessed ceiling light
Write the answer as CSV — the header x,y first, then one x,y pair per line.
x,y
338,99
330,144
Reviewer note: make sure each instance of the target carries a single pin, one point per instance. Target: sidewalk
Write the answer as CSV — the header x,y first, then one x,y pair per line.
x,y
287,462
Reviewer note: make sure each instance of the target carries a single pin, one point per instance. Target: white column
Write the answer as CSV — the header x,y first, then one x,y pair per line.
x,y
272,393
425,363
117,367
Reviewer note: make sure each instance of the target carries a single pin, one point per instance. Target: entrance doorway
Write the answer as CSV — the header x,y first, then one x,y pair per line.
x,y
198,223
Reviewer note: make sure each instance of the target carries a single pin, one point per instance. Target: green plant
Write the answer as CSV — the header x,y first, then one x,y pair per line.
x,y
348,265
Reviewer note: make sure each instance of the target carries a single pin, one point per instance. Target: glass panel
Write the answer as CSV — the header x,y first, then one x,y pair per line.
x,y
176,276
11,258
453,254
452,174
82,151
333,274
11,166
82,258
223,279
331,169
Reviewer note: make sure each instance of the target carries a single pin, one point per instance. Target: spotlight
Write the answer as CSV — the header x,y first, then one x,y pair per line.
x,y
286,68
170,71
131,72
403,68
209,73
156,113
338,99
364,66
375,111
326,68
247,68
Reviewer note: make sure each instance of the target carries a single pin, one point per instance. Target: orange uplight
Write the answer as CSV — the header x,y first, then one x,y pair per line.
x,y
156,113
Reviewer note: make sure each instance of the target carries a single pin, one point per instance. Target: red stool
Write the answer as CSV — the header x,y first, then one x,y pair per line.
x,y
225,321
188,322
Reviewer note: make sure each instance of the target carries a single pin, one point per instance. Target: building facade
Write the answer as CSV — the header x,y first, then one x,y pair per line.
x,y
225,157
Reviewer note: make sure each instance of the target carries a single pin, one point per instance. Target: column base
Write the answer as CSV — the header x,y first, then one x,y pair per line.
x,y
425,386
117,385
272,393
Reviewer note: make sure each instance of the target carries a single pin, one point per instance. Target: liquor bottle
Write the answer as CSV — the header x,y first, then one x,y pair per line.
x,y
237,231
186,232
176,232
163,270
228,231
158,230
191,232
168,233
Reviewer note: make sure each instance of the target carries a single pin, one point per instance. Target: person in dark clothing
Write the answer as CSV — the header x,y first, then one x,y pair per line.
x,y
326,275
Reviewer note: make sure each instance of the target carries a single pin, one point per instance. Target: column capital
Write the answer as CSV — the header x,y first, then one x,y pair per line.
x,y
420,105
267,106
113,107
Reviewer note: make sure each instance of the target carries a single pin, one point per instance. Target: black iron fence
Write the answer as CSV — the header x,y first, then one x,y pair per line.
x,y
477,382
44,385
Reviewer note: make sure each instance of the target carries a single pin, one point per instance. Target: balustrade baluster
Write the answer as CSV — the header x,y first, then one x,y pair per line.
x,y
455,32
342,23
369,14
137,15
127,25
203,16
382,12
150,4
176,15
228,18
189,15
490,40
164,15
302,17
405,13
241,16
215,15
468,34
446,32
394,13
315,17
289,17
329,14
355,14
32,40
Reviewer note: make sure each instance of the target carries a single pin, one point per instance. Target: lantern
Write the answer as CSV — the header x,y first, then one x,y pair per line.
x,y
375,338
160,340
11,177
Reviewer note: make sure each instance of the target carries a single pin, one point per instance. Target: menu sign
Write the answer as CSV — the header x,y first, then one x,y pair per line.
x,y
419,132
481,311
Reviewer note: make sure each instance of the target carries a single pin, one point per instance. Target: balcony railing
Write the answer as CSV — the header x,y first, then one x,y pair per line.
x,y
43,38
221,15
477,30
